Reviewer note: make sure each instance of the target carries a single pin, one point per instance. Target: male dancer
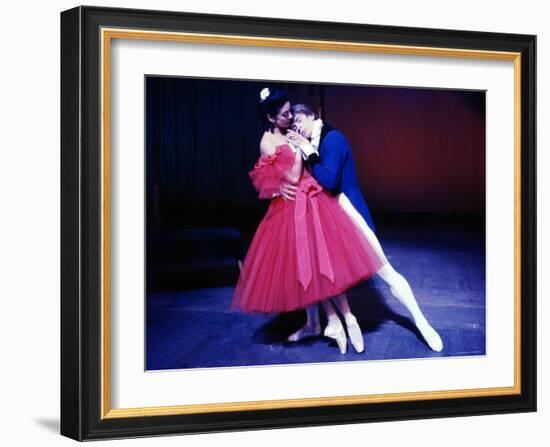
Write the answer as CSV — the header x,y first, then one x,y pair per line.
x,y
329,155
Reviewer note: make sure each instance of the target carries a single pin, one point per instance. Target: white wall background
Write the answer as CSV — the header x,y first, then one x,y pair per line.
x,y
29,236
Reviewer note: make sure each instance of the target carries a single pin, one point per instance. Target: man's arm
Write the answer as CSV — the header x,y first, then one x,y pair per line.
x,y
328,169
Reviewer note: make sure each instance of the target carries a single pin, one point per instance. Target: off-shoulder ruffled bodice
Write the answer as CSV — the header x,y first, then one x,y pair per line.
x,y
271,170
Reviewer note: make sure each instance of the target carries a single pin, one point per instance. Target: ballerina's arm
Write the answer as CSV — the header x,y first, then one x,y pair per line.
x,y
269,175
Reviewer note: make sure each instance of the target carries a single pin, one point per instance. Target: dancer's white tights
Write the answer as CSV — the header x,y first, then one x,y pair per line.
x,y
399,286
341,302
334,328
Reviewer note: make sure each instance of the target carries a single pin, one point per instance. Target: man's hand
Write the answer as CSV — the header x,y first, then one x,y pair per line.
x,y
288,191
305,146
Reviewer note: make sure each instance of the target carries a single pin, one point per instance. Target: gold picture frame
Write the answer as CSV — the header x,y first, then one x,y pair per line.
x,y
86,365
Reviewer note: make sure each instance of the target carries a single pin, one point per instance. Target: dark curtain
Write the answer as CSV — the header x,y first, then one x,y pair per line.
x,y
416,150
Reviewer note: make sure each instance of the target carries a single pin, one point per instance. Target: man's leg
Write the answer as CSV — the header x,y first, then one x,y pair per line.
x,y
401,289
399,286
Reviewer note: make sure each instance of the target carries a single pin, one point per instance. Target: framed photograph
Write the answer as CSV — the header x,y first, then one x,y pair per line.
x,y
277,223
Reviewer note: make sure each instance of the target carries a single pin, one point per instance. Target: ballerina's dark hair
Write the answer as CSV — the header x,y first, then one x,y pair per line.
x,y
270,103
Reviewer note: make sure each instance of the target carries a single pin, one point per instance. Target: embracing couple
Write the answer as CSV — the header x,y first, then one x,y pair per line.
x,y
317,238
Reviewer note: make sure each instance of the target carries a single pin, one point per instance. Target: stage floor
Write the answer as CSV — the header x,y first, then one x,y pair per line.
x,y
445,267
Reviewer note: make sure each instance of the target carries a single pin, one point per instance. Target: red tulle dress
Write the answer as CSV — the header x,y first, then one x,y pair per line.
x,y
304,251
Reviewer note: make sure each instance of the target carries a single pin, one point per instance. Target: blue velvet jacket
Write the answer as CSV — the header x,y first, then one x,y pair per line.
x,y
335,171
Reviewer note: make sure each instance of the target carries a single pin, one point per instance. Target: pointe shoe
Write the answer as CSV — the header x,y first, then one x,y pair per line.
x,y
304,332
355,334
431,336
336,332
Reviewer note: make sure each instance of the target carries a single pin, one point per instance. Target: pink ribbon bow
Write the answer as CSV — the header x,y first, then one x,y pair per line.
x,y
307,191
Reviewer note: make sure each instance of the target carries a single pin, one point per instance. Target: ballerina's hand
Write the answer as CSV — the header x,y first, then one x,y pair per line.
x,y
299,140
295,136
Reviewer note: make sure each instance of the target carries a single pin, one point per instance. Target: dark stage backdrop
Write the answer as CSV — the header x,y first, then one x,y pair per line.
x,y
416,150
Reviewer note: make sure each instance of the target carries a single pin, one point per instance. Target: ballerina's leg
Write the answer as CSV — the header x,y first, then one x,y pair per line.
x,y
334,328
354,331
312,327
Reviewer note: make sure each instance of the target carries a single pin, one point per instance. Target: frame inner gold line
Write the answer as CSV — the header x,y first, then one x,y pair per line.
x,y
306,44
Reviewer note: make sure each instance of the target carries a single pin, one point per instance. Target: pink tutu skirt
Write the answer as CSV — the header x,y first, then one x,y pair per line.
x,y
303,252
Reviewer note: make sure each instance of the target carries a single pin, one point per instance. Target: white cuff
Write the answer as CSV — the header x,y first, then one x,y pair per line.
x,y
307,149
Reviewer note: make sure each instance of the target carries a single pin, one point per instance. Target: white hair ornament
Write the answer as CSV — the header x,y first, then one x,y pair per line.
x,y
264,94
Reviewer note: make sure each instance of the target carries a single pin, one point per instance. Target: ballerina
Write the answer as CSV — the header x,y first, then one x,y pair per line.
x,y
305,251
